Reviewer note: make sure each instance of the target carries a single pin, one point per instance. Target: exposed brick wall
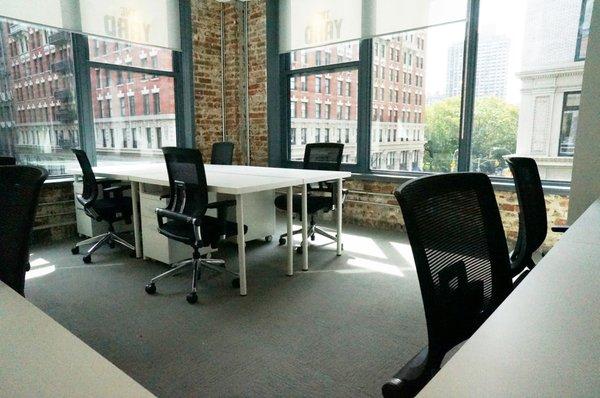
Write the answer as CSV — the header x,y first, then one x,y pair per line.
x,y
206,28
55,215
373,204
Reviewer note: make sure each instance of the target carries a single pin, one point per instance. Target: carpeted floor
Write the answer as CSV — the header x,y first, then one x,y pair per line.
x,y
340,329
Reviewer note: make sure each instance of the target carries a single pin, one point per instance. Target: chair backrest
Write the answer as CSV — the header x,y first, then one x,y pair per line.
x,y
185,166
90,185
222,153
7,161
19,192
533,224
460,252
323,156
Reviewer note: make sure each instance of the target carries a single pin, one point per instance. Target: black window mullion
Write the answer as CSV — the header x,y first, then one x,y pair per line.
x,y
468,86
83,95
363,130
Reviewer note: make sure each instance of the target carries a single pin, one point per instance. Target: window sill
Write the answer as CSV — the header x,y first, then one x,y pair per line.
x,y
499,184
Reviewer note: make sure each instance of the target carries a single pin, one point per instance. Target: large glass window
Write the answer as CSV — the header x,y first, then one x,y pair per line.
x,y
527,70
521,90
316,120
38,113
144,118
416,94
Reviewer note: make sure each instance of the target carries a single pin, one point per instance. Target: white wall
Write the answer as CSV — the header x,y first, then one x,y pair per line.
x,y
585,185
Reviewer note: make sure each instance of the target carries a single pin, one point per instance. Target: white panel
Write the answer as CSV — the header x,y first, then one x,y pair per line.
x,y
312,23
154,23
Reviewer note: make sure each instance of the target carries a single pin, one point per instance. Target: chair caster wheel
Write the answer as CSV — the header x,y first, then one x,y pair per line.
x,y
235,283
312,237
75,250
111,245
192,298
132,255
281,241
299,250
269,238
87,259
150,288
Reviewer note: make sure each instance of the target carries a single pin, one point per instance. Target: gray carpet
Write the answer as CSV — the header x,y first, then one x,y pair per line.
x,y
340,329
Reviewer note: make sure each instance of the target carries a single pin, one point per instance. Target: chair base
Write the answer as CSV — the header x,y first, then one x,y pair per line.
x,y
312,230
196,263
98,241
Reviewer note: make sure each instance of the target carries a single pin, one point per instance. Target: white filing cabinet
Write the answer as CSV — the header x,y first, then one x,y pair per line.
x,y
259,214
87,226
156,246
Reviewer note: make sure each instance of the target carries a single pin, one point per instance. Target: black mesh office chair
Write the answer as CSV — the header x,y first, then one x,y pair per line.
x,y
533,221
321,196
19,192
222,153
111,207
7,161
186,219
460,252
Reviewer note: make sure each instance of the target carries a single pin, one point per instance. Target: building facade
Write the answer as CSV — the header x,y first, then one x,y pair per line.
x,y
323,107
134,113
551,76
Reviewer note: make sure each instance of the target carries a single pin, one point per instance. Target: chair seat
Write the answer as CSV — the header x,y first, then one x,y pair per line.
x,y
314,203
112,209
212,229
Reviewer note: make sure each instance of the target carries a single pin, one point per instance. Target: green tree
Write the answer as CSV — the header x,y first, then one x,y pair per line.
x,y
494,134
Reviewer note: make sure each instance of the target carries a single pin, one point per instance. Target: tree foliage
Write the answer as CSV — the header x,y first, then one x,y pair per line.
x,y
494,134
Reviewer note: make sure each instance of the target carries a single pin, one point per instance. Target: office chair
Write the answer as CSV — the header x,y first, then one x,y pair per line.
x,y
19,192
222,153
111,207
462,263
7,161
317,156
533,222
186,219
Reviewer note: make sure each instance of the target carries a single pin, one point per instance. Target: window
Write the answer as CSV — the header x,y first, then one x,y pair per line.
x,y
38,124
518,80
146,103
156,100
315,114
122,106
131,105
584,29
568,126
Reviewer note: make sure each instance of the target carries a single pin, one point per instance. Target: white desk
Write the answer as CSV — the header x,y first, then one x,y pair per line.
x,y
544,340
237,181
40,358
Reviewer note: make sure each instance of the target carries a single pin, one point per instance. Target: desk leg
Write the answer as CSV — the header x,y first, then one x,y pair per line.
x,y
339,217
137,225
290,236
241,242
304,227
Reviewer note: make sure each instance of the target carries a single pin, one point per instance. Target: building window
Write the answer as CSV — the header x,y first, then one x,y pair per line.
x,y
131,105
156,100
122,106
584,29
146,103
568,126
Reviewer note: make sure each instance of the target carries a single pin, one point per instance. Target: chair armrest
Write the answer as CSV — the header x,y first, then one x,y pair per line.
x,y
171,215
221,204
560,228
410,379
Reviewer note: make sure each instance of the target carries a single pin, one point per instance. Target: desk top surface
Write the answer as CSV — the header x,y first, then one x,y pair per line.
x,y
544,340
221,178
40,358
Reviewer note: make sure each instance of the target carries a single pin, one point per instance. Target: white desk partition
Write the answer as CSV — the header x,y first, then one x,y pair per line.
x,y
544,340
40,358
238,181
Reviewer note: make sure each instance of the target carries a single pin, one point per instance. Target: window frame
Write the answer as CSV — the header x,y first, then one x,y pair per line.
x,y
278,67
578,56
565,108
